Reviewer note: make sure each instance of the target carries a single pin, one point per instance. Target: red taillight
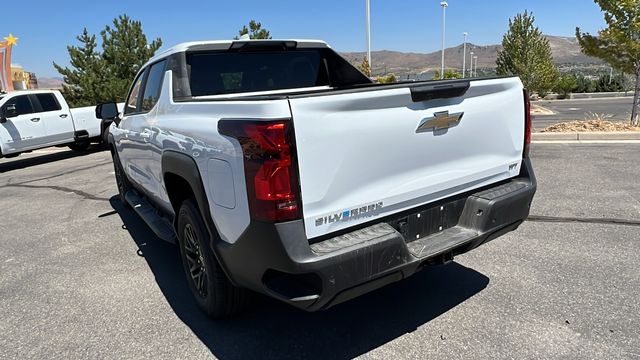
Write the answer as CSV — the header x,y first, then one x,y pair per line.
x,y
270,167
527,124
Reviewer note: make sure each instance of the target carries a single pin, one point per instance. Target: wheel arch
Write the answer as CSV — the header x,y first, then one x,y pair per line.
x,y
178,171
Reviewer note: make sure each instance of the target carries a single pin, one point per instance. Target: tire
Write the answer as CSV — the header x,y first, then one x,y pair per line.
x,y
104,136
122,182
213,292
79,146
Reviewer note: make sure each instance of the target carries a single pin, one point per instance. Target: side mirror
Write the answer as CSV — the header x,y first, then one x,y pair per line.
x,y
108,111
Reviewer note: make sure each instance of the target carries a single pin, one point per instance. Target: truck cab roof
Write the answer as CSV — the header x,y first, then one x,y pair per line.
x,y
27,92
222,45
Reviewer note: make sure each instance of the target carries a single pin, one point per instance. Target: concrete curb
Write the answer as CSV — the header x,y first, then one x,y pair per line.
x,y
576,96
577,136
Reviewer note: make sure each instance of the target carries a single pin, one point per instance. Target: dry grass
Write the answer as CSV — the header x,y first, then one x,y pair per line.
x,y
590,126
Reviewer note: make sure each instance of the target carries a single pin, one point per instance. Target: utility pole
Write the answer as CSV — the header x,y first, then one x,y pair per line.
x,y
368,31
444,5
464,55
471,65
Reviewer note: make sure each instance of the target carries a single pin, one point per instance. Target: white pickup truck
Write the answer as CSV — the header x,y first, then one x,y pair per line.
x,y
280,168
35,119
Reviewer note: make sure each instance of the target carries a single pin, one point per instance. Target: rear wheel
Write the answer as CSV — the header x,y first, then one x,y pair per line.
x,y
209,285
121,179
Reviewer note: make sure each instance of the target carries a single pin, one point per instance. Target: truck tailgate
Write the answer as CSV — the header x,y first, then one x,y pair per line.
x,y
364,155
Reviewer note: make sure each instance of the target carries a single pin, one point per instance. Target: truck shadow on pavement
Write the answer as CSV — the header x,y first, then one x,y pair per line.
x,y
270,329
10,164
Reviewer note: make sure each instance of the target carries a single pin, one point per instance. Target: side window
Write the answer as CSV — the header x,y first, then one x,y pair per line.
x,y
153,86
21,104
132,101
48,102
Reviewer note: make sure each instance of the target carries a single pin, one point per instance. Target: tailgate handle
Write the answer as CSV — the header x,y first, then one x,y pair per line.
x,y
439,91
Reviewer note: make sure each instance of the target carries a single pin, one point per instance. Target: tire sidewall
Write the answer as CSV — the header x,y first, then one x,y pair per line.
x,y
105,135
120,178
189,214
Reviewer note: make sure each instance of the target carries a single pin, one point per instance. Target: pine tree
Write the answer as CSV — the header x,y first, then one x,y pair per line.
x,y
619,43
95,77
255,31
125,51
81,82
527,54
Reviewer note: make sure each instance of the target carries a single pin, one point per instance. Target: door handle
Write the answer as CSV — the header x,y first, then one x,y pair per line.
x,y
64,116
35,119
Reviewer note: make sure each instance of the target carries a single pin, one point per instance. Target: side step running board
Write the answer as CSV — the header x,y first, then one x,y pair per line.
x,y
159,225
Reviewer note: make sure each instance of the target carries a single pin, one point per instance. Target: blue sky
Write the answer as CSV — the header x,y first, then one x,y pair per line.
x,y
45,28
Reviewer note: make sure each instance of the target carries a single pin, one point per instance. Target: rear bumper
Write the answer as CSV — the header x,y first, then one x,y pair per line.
x,y
277,259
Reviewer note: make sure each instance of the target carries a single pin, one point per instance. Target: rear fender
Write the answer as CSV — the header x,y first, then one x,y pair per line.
x,y
179,164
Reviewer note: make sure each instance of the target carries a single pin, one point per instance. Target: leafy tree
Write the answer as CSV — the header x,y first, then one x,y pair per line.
x,y
619,43
565,85
255,31
95,76
527,54
365,67
448,74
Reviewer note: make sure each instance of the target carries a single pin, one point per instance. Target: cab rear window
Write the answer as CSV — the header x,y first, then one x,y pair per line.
x,y
229,72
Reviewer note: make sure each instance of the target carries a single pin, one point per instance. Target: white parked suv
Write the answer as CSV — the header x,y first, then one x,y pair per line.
x,y
35,119
279,168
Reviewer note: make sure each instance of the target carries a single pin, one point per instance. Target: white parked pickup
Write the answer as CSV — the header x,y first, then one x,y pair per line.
x,y
35,119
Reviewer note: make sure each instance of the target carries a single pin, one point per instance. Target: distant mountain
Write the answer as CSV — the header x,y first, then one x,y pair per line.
x,y
566,51
50,83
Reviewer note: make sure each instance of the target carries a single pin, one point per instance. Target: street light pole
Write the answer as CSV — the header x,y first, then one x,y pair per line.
x,y
444,5
471,65
368,30
610,74
464,56
475,66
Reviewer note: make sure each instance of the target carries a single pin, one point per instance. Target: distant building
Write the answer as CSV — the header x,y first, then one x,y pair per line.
x,y
33,81
23,80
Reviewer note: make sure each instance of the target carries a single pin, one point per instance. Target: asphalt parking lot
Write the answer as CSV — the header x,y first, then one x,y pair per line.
x,y
81,277
616,109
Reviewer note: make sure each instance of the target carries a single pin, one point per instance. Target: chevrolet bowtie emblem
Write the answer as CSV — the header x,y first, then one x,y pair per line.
x,y
439,121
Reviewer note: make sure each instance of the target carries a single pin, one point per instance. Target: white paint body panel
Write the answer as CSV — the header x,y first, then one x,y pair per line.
x,y
192,128
362,148
84,118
